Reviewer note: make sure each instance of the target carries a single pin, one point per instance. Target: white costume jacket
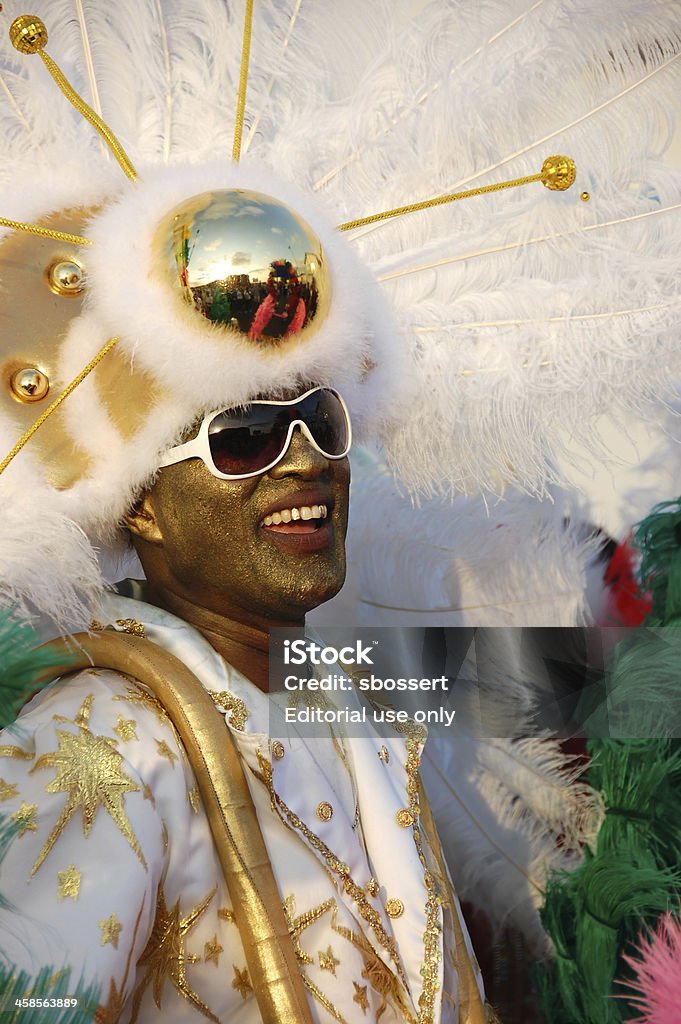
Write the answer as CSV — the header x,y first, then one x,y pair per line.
x,y
114,874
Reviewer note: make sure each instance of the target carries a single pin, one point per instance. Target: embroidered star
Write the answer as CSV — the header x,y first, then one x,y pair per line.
x,y
126,728
7,790
328,962
298,924
165,751
241,982
360,997
212,950
138,695
69,883
89,769
25,818
165,956
226,915
148,795
18,752
194,799
111,929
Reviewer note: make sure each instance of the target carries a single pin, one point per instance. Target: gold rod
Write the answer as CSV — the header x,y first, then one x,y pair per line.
x,y
35,229
558,174
243,81
29,35
88,113
57,402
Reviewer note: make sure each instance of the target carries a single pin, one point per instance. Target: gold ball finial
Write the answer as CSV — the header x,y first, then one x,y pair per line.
x,y
28,33
29,384
585,197
558,173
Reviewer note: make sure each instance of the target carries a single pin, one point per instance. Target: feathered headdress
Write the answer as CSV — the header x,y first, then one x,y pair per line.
x,y
462,335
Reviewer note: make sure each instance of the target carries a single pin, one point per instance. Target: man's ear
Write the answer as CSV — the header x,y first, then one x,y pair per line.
x,y
142,522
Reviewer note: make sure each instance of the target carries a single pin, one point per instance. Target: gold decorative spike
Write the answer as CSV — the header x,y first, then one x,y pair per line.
x,y
35,229
243,81
29,35
57,402
558,173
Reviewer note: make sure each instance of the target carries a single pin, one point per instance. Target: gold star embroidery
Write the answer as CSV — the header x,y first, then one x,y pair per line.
x,y
25,818
226,915
126,728
360,997
7,790
89,770
241,982
164,836
148,795
111,929
69,883
194,798
138,695
328,962
165,751
22,755
296,925
165,955
212,950
112,1011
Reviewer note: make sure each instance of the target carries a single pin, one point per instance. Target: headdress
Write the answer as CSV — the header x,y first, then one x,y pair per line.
x,y
463,336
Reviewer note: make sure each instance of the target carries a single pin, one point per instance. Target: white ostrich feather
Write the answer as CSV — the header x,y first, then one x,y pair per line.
x,y
509,812
463,562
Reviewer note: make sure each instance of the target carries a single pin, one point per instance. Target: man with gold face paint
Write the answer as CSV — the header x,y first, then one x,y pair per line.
x,y
371,928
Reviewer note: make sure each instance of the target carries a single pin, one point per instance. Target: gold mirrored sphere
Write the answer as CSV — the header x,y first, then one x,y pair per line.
x,y
66,277
29,384
558,173
246,263
28,33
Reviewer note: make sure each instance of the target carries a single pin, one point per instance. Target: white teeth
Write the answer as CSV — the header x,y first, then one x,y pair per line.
x,y
304,512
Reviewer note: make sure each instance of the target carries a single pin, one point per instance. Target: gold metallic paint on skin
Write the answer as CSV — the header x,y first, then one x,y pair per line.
x,y
245,263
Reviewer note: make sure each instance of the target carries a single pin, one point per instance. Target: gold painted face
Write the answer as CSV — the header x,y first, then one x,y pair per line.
x,y
227,553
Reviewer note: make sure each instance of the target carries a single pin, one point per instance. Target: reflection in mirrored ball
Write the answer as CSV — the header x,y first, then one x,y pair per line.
x,y
246,262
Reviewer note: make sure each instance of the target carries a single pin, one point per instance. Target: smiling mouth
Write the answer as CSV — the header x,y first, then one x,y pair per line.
x,y
297,520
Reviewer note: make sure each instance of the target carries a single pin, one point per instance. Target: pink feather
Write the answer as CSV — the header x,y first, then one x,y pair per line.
x,y
657,985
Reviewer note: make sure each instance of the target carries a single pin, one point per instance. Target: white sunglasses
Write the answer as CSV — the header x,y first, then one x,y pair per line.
x,y
249,440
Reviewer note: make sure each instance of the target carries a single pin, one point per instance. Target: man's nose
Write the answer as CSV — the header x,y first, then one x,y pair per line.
x,y
300,459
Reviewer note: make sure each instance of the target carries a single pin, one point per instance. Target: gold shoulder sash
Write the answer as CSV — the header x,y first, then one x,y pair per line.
x,y
257,904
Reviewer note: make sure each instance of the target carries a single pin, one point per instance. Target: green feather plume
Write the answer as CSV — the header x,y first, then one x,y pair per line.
x,y
22,664
595,914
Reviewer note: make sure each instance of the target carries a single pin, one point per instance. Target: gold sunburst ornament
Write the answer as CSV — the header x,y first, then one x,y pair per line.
x,y
89,770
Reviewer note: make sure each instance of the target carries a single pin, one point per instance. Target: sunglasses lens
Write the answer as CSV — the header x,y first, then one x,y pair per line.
x,y
246,441
325,418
